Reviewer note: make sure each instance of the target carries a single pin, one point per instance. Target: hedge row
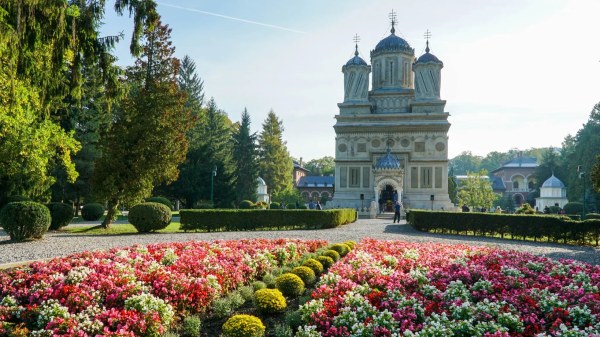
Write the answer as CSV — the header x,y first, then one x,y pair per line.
x,y
516,225
241,220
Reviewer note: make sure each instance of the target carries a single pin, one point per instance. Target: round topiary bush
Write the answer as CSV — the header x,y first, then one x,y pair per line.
x,y
290,284
350,244
12,198
243,326
315,265
306,274
573,208
161,200
203,206
269,301
275,205
291,206
150,217
341,248
61,214
24,220
92,212
326,261
553,209
335,256
246,204
303,207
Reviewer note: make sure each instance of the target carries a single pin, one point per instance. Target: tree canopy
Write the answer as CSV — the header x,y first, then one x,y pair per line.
x,y
275,162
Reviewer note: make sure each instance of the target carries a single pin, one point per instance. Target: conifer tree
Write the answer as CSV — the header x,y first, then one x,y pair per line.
x,y
190,82
275,162
245,154
147,142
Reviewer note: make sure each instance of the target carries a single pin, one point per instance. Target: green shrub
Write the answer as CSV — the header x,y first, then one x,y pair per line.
x,y
191,326
573,208
243,326
261,205
326,261
592,216
315,265
291,205
276,271
258,285
203,206
161,200
12,198
61,214
269,301
237,300
574,217
169,333
24,220
150,217
293,319
335,256
282,330
341,248
275,205
304,299
92,212
553,209
222,307
306,274
350,244
116,214
290,284
246,204
269,280
244,220
246,292
303,207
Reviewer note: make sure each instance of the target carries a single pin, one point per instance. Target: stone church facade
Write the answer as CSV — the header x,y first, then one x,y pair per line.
x,y
393,137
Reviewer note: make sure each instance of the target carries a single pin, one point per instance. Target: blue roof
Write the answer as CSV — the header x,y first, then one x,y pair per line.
x,y
428,57
497,183
356,61
261,181
388,162
553,182
321,181
390,44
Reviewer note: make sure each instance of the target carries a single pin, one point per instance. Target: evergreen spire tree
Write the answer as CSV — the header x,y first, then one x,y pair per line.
x,y
275,162
245,154
190,82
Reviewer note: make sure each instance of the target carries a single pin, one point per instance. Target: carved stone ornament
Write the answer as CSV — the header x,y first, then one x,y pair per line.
x,y
405,142
419,146
342,148
440,146
375,143
361,147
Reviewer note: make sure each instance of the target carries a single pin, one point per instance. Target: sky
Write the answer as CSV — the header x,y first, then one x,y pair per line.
x,y
517,73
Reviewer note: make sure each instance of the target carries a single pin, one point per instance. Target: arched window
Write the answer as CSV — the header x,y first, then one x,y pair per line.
x,y
531,185
315,196
305,196
516,184
518,199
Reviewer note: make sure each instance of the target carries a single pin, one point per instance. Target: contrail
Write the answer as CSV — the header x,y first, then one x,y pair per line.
x,y
232,18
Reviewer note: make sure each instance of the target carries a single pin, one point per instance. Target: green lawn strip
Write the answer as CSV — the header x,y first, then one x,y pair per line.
x,y
117,229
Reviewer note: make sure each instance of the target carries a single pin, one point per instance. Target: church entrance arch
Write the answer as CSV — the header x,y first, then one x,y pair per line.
x,y
384,190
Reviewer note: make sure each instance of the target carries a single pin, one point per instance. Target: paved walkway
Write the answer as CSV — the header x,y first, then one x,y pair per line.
x,y
60,244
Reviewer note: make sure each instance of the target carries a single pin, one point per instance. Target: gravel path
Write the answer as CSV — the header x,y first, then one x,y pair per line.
x,y
60,244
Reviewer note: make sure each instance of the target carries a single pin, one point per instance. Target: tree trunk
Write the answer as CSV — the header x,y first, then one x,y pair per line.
x,y
77,208
112,206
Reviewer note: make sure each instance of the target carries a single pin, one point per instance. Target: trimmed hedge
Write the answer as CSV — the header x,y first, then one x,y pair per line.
x,y
24,220
12,198
161,200
242,220
61,214
592,216
92,212
517,225
291,205
573,208
150,217
246,204
204,206
275,205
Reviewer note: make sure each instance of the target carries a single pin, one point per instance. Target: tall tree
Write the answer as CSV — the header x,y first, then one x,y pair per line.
x,y
190,82
596,175
493,160
147,142
245,155
275,162
476,191
466,161
547,166
321,167
452,189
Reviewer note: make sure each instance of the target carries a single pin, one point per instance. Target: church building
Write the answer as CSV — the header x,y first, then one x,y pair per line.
x,y
394,137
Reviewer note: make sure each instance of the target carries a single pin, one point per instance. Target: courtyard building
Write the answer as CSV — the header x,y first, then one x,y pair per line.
x,y
393,137
552,193
517,175
298,171
315,188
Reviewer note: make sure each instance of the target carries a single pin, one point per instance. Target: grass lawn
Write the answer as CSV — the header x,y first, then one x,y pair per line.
x,y
117,229
121,217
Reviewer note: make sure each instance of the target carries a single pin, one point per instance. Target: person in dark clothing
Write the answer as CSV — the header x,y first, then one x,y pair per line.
x,y
381,205
483,209
465,208
397,209
546,210
319,207
297,204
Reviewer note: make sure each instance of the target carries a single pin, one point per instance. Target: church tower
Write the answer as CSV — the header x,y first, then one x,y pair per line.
x,y
356,85
428,72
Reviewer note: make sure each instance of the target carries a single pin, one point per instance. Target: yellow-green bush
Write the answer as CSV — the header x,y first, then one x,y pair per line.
x,y
326,261
243,326
350,244
335,256
269,301
306,274
341,248
290,284
315,265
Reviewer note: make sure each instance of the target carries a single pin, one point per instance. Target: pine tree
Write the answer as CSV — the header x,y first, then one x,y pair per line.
x,y
190,82
245,154
147,142
548,166
275,162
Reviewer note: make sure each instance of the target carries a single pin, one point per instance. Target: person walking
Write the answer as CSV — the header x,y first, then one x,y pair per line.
x,y
397,209
380,205
297,204
311,205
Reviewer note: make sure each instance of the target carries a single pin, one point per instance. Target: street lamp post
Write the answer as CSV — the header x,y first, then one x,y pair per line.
x,y
212,179
582,176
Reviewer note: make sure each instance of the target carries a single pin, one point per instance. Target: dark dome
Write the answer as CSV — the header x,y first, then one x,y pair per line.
x,y
428,57
392,43
356,61
388,162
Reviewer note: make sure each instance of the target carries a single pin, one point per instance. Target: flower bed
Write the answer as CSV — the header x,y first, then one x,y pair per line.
x,y
392,288
141,290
